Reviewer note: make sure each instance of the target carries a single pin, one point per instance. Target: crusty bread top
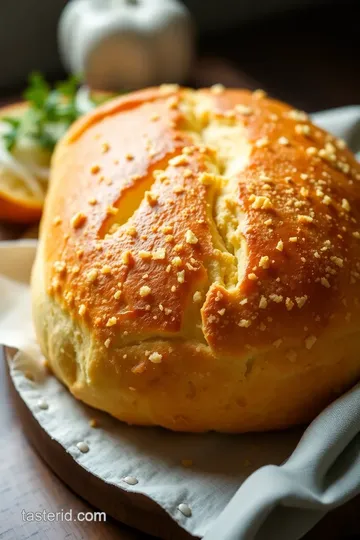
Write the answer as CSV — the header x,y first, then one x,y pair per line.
x,y
219,216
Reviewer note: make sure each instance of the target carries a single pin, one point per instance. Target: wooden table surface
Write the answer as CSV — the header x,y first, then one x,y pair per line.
x,y
313,67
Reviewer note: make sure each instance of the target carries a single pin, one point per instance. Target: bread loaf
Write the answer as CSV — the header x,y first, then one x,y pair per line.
x,y
199,262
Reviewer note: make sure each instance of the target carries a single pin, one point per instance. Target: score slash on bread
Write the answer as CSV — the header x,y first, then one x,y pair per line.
x,y
199,262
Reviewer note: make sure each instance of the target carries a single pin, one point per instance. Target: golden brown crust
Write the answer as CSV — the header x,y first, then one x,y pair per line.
x,y
201,241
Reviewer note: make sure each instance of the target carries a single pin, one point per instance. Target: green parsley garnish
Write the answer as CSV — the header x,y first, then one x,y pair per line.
x,y
51,112
13,133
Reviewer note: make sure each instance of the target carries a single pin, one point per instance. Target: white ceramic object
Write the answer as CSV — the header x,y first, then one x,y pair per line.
x,y
128,44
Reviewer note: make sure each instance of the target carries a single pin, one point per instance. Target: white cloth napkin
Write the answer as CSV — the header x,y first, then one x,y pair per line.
x,y
244,487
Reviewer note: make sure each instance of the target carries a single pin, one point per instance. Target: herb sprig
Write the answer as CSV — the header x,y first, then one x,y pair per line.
x,y
11,136
51,111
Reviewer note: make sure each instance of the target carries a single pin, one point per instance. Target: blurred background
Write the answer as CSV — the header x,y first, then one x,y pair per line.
x,y
305,52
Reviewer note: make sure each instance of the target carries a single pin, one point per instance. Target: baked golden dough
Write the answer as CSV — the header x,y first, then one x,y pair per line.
x,y
199,262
